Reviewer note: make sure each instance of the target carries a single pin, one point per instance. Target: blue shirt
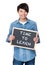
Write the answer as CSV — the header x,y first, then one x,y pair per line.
x,y
22,54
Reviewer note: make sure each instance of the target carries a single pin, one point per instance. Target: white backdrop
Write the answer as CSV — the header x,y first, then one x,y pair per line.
x,y
8,13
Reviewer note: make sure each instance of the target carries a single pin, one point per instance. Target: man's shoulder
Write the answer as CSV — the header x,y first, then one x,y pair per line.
x,y
31,21
14,22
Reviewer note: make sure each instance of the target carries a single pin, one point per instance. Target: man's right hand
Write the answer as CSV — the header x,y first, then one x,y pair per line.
x,y
11,37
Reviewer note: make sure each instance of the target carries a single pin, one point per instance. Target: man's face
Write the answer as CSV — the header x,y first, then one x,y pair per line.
x,y
22,13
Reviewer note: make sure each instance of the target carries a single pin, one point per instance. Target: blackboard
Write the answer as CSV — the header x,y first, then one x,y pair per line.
x,y
23,38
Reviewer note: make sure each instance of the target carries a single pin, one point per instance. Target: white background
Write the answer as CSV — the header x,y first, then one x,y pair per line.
x,y
8,14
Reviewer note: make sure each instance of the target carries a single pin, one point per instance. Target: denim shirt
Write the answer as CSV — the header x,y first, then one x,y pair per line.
x,y
22,54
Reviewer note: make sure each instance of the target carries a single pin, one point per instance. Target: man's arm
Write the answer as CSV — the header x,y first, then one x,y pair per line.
x,y
36,29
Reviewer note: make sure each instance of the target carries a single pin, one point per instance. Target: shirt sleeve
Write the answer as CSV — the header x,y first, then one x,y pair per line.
x,y
10,32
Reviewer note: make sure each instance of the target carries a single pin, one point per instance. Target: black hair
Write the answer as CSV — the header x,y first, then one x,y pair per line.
x,y
23,6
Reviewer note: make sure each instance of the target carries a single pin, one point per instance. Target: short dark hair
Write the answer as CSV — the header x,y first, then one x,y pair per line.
x,y
23,6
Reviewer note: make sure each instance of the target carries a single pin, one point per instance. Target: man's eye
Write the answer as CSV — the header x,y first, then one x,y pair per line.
x,y
20,11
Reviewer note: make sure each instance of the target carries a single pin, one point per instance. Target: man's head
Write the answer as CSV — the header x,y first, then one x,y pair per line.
x,y
23,10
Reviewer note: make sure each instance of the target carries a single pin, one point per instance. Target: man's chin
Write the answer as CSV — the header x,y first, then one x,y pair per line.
x,y
23,17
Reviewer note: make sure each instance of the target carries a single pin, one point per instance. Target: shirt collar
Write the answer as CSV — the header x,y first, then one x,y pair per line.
x,y
26,22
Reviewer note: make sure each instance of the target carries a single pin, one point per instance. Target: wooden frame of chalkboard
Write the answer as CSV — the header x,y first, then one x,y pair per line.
x,y
23,38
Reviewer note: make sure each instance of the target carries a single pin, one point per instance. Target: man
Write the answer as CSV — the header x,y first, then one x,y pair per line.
x,y
22,55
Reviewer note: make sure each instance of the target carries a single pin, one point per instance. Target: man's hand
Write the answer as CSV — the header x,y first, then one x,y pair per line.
x,y
11,37
35,39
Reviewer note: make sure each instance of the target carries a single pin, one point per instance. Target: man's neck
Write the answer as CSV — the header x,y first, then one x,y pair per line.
x,y
23,20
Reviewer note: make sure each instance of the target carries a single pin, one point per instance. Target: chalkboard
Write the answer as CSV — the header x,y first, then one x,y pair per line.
x,y
23,38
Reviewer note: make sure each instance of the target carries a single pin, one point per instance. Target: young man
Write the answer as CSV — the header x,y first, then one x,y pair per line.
x,y
22,55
